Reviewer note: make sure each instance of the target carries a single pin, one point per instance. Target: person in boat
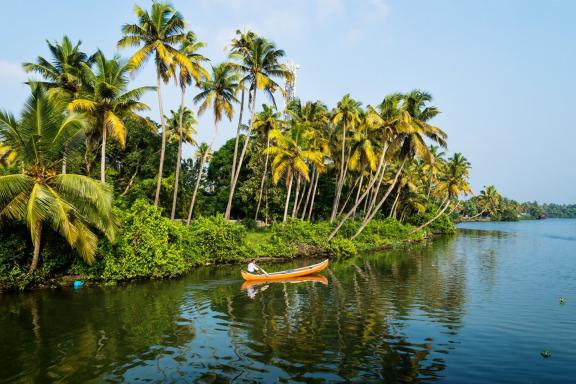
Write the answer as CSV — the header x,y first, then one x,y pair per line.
x,y
253,268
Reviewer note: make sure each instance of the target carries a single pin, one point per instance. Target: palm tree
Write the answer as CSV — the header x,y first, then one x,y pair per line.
x,y
62,73
180,130
347,115
313,120
258,64
412,127
39,195
240,47
453,183
189,48
157,32
434,165
264,123
489,199
218,94
106,99
363,156
202,155
62,77
290,160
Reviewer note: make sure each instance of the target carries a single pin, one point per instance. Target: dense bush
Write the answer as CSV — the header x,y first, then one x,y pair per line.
x,y
215,240
441,226
151,246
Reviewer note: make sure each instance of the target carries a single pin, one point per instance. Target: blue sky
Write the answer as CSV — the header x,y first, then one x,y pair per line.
x,y
501,71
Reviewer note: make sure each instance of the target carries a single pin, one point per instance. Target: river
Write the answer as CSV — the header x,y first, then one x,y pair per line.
x,y
475,308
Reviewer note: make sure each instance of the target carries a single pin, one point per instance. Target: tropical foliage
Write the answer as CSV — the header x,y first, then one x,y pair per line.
x,y
345,176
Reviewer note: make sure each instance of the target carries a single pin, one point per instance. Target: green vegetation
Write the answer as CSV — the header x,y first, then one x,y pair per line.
x,y
303,178
490,205
152,246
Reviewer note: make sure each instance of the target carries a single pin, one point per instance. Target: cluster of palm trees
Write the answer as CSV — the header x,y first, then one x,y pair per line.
x,y
373,153
378,157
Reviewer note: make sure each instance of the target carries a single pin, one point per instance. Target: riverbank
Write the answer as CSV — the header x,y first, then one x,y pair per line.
x,y
151,246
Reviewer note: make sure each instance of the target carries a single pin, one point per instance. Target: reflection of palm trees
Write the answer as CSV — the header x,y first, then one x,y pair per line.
x,y
353,329
358,321
80,336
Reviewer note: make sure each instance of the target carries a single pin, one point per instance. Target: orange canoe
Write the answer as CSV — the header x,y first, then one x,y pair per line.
x,y
297,272
309,278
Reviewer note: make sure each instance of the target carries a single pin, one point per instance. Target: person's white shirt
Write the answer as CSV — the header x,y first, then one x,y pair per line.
x,y
252,267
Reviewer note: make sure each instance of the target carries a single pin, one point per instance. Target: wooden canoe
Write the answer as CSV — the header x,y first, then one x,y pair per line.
x,y
302,279
297,272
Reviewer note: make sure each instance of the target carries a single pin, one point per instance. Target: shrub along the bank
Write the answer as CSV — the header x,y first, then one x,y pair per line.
x,y
151,246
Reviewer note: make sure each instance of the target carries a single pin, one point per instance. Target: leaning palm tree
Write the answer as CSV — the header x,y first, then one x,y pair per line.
x,y
290,160
157,32
108,101
180,130
62,73
218,94
347,115
264,123
202,155
453,183
411,125
489,199
39,195
189,48
259,64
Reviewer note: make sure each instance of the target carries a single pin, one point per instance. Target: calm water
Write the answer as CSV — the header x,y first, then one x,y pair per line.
x,y
477,308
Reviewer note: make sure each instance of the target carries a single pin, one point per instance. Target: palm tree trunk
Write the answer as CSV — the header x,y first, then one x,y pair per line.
x,y
64,159
402,215
131,181
305,208
313,196
446,205
287,198
263,179
429,186
480,214
358,193
238,129
179,155
36,254
350,193
103,155
340,176
295,206
204,157
163,147
305,188
375,192
198,178
369,217
393,207
381,168
239,165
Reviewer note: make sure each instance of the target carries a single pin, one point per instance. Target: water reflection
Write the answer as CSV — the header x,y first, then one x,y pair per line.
x,y
389,317
253,287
